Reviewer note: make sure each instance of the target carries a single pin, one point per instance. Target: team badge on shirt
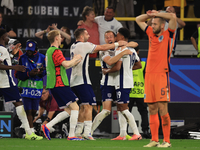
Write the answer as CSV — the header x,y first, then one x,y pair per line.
x,y
112,27
161,38
1,54
109,95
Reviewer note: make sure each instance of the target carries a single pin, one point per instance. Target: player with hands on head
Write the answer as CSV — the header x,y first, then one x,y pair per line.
x,y
157,88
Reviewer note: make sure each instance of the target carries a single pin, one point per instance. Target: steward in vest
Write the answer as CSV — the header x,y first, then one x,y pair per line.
x,y
32,80
196,35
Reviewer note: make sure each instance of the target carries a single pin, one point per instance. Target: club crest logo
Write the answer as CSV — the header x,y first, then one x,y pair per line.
x,y
161,38
112,27
30,45
109,95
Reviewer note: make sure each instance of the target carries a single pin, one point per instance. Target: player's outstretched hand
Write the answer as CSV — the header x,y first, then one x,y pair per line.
x,y
19,68
122,43
105,71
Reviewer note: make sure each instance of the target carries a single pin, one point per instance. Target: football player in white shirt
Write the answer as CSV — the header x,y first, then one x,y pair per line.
x,y
80,81
8,87
108,60
123,85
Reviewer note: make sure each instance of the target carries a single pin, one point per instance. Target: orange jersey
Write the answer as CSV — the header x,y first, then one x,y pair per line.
x,y
160,48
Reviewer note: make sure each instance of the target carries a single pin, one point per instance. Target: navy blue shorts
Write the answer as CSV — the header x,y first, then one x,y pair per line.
x,y
123,96
30,103
11,94
85,94
63,96
108,93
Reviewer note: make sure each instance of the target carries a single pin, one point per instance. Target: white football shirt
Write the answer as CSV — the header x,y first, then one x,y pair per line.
x,y
6,79
108,79
104,26
124,78
80,73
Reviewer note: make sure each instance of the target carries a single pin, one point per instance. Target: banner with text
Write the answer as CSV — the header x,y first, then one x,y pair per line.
x,y
30,17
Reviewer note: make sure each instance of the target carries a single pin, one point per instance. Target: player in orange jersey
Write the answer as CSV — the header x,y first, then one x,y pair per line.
x,y
156,77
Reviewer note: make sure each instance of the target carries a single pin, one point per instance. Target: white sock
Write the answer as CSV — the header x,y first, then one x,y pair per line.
x,y
79,128
99,118
122,124
32,129
73,122
87,128
60,117
23,118
131,121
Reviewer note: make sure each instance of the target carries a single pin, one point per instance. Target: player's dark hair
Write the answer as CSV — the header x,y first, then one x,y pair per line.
x,y
125,32
2,32
110,7
86,11
67,29
137,48
78,32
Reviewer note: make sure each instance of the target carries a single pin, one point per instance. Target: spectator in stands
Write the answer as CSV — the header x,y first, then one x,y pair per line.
x,y
99,6
65,35
92,27
105,23
126,8
10,32
176,4
195,36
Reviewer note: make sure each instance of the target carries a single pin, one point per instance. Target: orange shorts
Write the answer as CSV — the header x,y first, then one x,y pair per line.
x,y
156,87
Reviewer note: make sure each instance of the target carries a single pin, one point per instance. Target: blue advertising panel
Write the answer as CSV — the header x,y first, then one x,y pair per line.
x,y
185,79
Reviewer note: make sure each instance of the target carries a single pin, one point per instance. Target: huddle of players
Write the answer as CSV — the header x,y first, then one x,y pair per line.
x,y
57,80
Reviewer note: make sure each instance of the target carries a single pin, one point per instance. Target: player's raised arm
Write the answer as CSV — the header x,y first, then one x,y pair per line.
x,y
169,16
105,47
68,64
141,21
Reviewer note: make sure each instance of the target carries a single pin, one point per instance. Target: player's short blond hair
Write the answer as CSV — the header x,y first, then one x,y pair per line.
x,y
52,34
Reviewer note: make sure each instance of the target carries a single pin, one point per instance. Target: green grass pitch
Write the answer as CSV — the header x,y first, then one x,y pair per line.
x,y
98,144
